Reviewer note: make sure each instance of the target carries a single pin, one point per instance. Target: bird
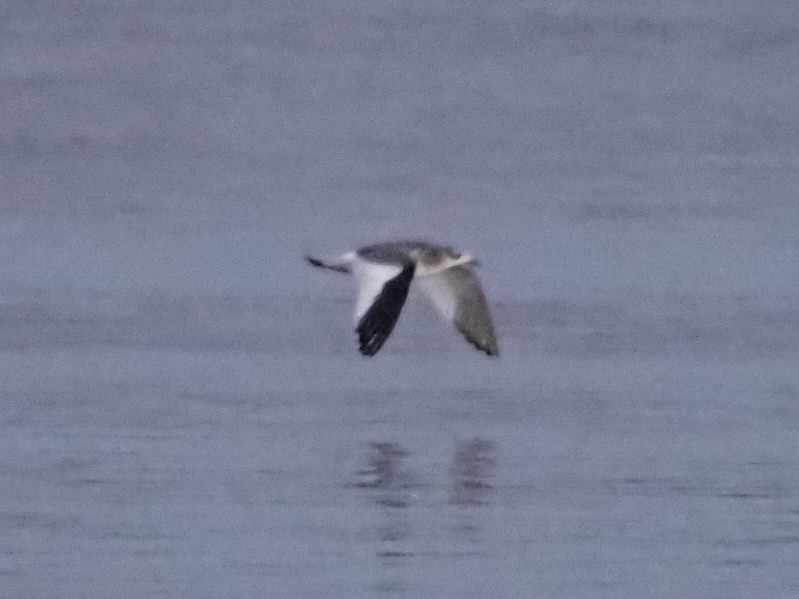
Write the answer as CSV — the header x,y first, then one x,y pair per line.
x,y
383,273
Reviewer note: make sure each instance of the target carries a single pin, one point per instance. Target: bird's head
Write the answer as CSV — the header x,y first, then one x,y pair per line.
x,y
434,259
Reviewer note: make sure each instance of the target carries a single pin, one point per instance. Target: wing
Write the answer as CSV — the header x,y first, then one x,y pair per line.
x,y
458,297
382,290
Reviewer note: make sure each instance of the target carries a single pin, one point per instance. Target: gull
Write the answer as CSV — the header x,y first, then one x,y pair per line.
x,y
383,273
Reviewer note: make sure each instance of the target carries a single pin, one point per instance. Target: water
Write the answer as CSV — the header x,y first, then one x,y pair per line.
x,y
184,410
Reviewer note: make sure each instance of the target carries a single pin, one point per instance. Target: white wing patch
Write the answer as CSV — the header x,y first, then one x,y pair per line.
x,y
440,293
370,278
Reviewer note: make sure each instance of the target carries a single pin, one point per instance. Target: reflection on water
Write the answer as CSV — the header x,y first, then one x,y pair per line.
x,y
385,473
418,503
472,472
390,483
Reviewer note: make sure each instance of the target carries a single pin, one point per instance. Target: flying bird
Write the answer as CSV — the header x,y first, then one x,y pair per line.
x,y
383,273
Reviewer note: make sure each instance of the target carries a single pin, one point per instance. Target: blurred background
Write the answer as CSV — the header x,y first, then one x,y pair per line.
x,y
184,409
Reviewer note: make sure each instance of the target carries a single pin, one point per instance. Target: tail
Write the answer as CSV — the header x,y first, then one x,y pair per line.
x,y
337,266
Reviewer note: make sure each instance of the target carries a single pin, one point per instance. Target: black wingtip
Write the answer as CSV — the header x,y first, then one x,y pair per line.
x,y
486,344
314,262
492,351
372,334
367,351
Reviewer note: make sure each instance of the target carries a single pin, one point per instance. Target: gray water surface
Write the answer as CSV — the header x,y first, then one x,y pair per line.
x,y
185,413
